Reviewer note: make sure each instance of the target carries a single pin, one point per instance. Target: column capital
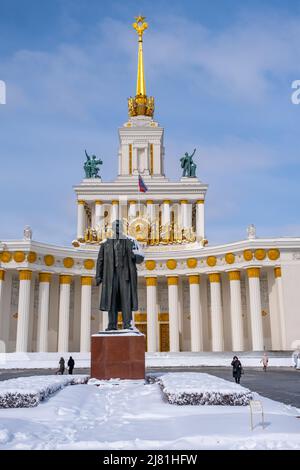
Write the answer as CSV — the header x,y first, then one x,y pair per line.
x,y
45,277
183,201
86,280
80,202
25,275
277,271
214,277
166,201
151,281
200,201
131,201
114,202
2,275
253,272
172,280
234,275
149,201
98,202
65,279
194,279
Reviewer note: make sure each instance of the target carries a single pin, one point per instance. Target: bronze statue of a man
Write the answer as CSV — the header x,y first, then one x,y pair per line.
x,y
116,270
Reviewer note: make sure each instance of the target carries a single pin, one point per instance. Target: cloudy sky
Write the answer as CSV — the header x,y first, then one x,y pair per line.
x,y
221,73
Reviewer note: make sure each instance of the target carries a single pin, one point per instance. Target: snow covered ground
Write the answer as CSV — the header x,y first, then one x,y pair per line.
x,y
182,359
131,415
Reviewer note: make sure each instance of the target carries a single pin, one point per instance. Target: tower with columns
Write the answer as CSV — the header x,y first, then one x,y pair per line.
x,y
192,296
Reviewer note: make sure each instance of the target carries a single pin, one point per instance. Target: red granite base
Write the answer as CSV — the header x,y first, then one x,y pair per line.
x,y
118,356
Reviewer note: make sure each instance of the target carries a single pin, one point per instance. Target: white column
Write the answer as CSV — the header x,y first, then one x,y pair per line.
x,y
196,314
135,163
165,213
64,312
184,213
43,312
132,209
278,281
80,219
99,221
2,285
23,310
237,333
173,313
216,312
114,211
86,310
151,210
200,231
165,220
255,309
151,218
152,321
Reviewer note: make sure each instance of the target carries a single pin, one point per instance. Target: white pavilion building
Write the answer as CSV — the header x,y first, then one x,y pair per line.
x,y
192,296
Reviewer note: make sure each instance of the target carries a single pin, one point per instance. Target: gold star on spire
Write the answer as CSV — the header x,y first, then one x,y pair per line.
x,y
140,19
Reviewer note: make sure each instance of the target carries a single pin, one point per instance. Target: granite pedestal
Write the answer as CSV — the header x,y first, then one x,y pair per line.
x,y
118,355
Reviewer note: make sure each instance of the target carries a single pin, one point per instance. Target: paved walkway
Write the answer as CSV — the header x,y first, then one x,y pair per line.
x,y
280,384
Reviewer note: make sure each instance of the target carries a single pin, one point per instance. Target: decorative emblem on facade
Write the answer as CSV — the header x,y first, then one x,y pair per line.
x,y
49,260
248,255
229,258
211,261
273,254
260,254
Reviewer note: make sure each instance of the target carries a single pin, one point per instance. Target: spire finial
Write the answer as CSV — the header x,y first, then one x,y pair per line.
x,y
140,25
141,104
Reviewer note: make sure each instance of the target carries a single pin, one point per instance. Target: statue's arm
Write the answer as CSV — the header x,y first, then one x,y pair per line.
x,y
86,154
193,153
99,267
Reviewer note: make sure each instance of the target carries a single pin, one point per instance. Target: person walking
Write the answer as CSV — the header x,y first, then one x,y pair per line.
x,y
296,357
236,369
61,369
265,361
71,364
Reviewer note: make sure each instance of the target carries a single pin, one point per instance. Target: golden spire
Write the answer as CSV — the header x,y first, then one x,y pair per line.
x,y
140,27
141,105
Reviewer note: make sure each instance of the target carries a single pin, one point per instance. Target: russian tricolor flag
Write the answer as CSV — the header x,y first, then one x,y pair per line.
x,y
142,187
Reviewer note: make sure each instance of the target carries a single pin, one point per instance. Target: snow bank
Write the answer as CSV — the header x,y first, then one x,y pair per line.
x,y
193,388
26,392
153,360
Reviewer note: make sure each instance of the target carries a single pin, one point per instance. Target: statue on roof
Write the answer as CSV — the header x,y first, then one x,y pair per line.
x,y
188,165
91,166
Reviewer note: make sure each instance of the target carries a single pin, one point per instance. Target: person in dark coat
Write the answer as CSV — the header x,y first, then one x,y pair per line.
x,y
236,369
71,364
61,366
116,270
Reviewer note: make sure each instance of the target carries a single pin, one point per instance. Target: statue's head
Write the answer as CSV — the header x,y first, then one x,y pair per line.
x,y
186,154
94,157
117,228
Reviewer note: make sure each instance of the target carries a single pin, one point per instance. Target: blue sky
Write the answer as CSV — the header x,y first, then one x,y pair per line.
x,y
220,71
